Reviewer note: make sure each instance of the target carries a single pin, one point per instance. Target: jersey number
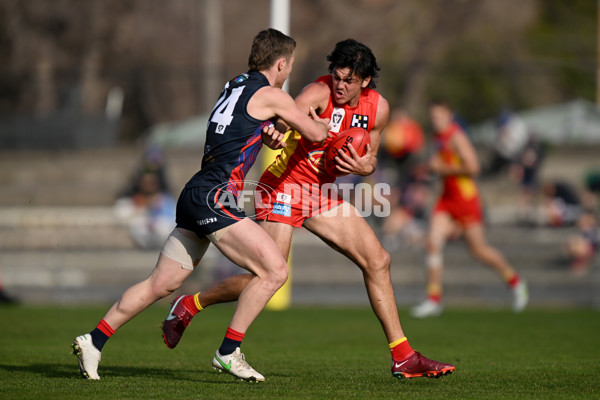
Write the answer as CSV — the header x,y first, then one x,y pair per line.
x,y
222,114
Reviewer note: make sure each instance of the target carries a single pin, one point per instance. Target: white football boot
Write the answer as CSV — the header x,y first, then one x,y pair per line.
x,y
88,356
236,365
520,296
428,308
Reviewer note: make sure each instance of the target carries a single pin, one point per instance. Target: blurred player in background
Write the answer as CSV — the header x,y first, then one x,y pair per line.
x,y
348,98
207,210
457,164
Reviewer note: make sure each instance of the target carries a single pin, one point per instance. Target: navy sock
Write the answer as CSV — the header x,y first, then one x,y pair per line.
x,y
228,346
99,338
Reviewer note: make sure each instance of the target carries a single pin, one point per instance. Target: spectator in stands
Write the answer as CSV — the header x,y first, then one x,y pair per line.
x,y
589,197
511,139
525,171
407,220
581,248
147,205
561,204
403,144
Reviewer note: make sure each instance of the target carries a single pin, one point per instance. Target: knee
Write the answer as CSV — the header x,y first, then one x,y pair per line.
x,y
379,262
161,288
277,274
434,261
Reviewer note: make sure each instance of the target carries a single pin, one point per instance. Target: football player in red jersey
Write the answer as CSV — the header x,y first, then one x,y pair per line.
x,y
296,177
457,164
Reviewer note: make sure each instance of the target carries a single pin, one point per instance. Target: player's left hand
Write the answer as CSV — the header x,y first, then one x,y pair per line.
x,y
353,163
273,138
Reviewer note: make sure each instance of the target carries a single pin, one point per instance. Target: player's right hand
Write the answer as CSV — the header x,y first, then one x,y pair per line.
x,y
272,138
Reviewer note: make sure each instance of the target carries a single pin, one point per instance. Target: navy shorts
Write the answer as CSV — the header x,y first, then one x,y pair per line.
x,y
206,210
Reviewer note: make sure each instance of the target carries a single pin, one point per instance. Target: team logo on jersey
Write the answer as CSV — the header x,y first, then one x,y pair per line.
x,y
241,78
337,116
360,121
317,161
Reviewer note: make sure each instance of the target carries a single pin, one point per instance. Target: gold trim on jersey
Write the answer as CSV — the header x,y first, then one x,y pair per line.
x,y
279,166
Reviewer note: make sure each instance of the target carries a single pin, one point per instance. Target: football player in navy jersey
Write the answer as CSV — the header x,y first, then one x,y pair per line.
x,y
206,213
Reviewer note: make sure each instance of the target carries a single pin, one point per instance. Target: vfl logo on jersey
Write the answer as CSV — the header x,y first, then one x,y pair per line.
x,y
316,159
337,116
360,121
284,198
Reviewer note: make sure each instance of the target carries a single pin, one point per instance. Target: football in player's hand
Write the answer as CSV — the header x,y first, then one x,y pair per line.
x,y
355,137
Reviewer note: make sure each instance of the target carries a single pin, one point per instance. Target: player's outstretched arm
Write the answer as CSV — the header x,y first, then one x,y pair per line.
x,y
269,102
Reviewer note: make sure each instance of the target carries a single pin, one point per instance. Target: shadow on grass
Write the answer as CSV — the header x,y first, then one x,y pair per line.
x,y
111,371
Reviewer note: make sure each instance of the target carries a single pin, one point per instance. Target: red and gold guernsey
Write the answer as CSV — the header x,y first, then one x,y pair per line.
x,y
302,161
460,195
297,180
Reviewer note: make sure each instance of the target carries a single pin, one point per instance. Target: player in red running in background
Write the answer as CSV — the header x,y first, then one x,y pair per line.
x,y
348,98
457,164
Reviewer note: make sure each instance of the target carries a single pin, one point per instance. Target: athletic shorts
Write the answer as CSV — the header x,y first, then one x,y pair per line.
x,y
465,212
206,210
292,203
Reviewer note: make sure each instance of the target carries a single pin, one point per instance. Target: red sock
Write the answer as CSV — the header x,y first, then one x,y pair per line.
x,y
105,328
512,282
400,349
190,303
231,341
234,335
435,297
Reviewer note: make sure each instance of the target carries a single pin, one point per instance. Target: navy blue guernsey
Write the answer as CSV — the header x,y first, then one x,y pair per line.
x,y
233,137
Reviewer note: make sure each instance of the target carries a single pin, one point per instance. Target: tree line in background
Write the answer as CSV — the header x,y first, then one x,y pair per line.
x,y
172,58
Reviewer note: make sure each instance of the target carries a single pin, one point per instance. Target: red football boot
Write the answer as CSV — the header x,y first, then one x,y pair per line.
x,y
177,320
417,365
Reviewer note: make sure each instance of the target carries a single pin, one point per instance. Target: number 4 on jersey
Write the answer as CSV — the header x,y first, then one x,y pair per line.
x,y
222,114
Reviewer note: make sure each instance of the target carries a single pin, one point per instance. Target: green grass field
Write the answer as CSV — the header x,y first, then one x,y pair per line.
x,y
305,353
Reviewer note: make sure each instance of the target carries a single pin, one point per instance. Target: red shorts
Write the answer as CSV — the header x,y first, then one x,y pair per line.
x,y
465,212
292,203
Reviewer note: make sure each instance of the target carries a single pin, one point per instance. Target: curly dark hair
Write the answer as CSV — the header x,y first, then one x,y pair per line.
x,y
357,57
